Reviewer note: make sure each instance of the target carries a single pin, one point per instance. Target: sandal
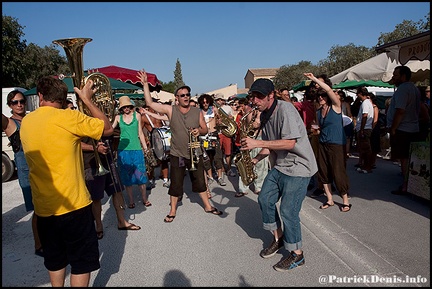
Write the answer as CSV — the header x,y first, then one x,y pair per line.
x,y
345,208
325,206
39,252
131,206
214,211
238,195
131,227
169,219
147,204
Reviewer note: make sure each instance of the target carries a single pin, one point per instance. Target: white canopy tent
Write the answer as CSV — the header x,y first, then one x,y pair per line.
x,y
381,67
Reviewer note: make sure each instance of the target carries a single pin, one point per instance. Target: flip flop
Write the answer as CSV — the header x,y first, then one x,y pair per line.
x,y
131,227
147,204
343,208
169,219
238,195
325,206
214,211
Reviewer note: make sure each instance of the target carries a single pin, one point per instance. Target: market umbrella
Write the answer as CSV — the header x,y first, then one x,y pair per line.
x,y
128,75
116,85
381,68
354,83
302,85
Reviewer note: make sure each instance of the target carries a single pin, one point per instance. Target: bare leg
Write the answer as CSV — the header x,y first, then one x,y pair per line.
x,y
118,203
37,241
206,201
404,170
80,280
328,192
278,233
57,278
143,193
173,208
130,195
97,214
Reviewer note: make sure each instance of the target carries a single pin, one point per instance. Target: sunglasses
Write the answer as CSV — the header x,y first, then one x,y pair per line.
x,y
15,102
258,95
183,95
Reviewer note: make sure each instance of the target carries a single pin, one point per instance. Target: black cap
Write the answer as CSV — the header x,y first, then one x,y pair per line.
x,y
182,87
262,85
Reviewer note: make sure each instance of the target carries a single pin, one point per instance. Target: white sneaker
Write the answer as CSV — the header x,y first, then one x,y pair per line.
x,y
221,182
166,184
210,181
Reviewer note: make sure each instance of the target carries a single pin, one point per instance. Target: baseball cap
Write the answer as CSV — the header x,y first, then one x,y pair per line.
x,y
182,87
262,85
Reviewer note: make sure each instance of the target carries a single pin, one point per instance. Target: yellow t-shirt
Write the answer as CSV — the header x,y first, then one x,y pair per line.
x,y
51,140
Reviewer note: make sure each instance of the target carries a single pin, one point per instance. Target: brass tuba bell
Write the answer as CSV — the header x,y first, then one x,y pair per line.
x,y
103,97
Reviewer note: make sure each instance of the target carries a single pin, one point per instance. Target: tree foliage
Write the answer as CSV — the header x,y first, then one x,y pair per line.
x,y
178,77
22,64
289,75
168,86
405,29
13,49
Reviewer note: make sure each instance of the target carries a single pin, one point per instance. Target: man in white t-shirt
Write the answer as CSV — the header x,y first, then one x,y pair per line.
x,y
364,130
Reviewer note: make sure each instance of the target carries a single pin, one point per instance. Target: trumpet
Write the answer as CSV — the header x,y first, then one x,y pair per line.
x,y
193,146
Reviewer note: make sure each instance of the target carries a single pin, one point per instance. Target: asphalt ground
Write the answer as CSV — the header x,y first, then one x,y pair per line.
x,y
383,241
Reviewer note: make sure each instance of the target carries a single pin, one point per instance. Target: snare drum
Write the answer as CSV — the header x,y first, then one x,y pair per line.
x,y
161,142
209,142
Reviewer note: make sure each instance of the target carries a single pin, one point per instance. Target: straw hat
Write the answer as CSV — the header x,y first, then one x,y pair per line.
x,y
125,101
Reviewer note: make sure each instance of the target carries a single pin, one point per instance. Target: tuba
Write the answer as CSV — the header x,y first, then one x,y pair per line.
x,y
243,160
103,97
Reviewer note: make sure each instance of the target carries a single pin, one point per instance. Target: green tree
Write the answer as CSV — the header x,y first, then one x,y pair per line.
x,y
178,78
289,75
343,57
168,86
22,64
13,66
405,29
42,62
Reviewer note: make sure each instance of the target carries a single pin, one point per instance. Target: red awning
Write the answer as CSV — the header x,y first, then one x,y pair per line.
x,y
128,75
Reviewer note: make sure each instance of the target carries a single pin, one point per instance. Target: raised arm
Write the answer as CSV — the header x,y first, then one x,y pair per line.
x,y
85,94
336,102
158,107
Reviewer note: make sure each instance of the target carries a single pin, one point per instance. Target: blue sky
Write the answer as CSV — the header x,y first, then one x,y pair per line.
x,y
215,42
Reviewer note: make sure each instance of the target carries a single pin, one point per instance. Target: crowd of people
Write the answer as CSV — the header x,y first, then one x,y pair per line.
x,y
272,144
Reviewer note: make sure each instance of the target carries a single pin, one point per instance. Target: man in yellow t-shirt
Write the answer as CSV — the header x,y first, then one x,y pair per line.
x,y
51,139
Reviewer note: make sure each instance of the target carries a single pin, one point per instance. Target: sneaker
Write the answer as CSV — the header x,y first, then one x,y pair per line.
x,y
318,192
292,261
210,181
221,182
230,173
365,171
271,250
166,184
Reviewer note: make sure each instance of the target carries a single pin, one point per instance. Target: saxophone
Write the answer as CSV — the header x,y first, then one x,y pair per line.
x,y
229,126
243,160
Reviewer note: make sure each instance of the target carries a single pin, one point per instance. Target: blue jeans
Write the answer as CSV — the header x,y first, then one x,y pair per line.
x,y
23,179
291,192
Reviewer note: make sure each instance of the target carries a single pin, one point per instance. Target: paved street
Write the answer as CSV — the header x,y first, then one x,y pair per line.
x,y
383,239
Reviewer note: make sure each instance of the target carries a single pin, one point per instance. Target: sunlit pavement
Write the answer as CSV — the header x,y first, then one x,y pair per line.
x,y
383,241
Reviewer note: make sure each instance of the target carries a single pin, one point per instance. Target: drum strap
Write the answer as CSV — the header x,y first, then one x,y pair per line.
x,y
151,123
